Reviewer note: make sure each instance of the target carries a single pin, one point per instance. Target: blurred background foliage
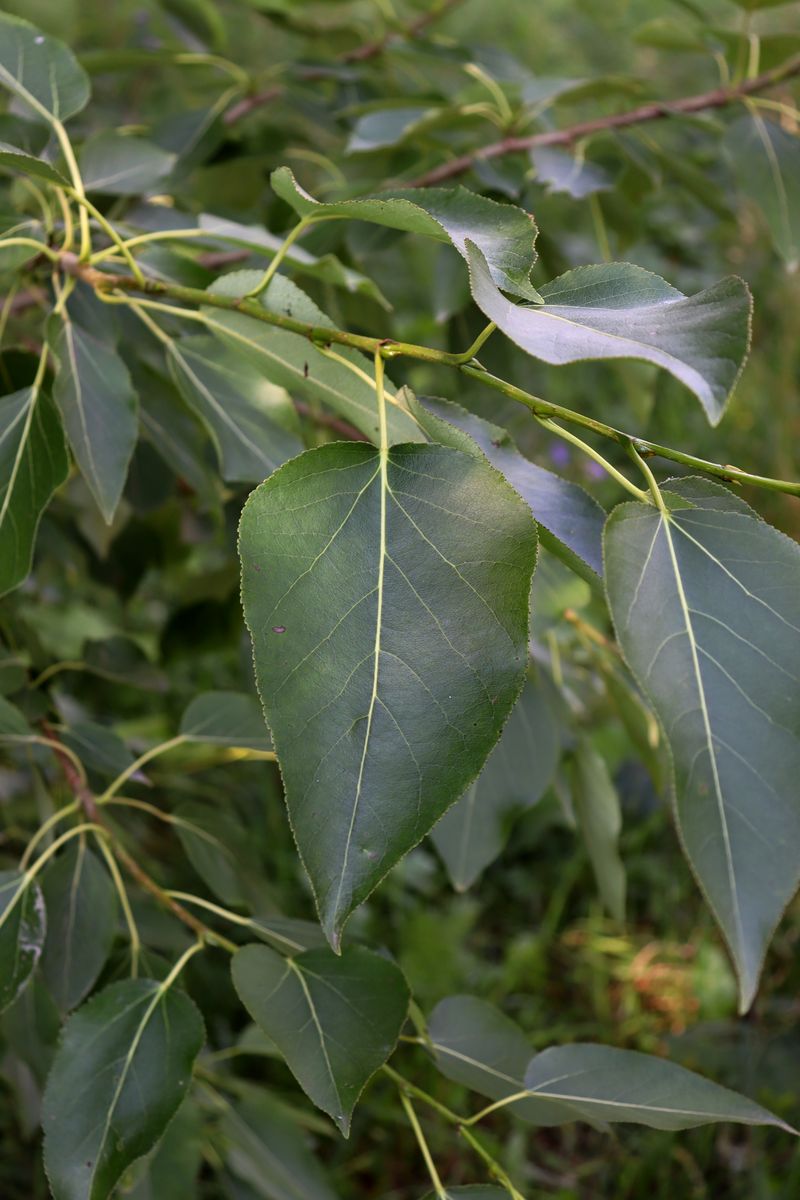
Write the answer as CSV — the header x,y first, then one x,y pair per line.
x,y
531,935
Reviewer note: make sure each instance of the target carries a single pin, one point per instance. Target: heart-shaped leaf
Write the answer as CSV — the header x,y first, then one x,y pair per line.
x,y
122,1068
706,604
617,310
335,1018
388,609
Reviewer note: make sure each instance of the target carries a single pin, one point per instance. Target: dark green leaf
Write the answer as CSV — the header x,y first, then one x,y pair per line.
x,y
267,1150
572,522
40,70
388,612
217,846
22,933
226,719
99,748
474,831
33,463
12,722
122,660
616,310
599,819
122,1069
289,934
476,1191
336,1019
505,234
294,362
706,604
81,905
123,166
601,1083
98,406
18,160
237,405
171,1171
766,163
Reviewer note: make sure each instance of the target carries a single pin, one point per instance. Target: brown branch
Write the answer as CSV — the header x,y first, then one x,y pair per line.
x,y
328,421
244,107
652,111
411,31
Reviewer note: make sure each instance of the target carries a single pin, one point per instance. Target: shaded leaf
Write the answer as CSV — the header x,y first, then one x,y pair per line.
x,y
706,604
505,234
597,811
617,310
93,391
171,1171
99,748
12,723
217,846
561,172
472,1191
237,405
474,831
81,905
122,660
18,160
386,695
33,463
226,719
123,1067
335,1018
601,1083
40,70
294,362
571,520
766,163
22,933
267,1150
118,165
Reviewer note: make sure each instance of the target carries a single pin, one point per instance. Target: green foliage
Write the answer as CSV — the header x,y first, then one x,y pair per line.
x,y
249,291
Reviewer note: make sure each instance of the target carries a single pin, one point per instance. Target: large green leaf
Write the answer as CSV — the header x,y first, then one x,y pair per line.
x,y
123,1067
33,463
22,933
226,719
268,1150
237,405
81,908
170,1172
766,163
597,812
123,166
98,406
505,234
617,310
571,521
335,1018
40,70
478,1046
388,610
706,604
602,1083
294,361
473,832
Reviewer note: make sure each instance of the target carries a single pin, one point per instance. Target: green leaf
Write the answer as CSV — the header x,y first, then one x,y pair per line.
x,y
476,1191
12,722
98,405
118,165
327,267
289,934
294,362
236,404
336,1019
226,719
33,463
17,225
218,848
474,831
599,819
18,160
601,1083
571,521
388,612
478,1046
505,234
171,1171
81,905
99,748
617,310
561,172
123,661
40,70
22,933
176,433
268,1150
766,163
706,604
123,1067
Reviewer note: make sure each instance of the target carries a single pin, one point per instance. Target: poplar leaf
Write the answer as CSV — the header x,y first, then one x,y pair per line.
x,y
40,70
